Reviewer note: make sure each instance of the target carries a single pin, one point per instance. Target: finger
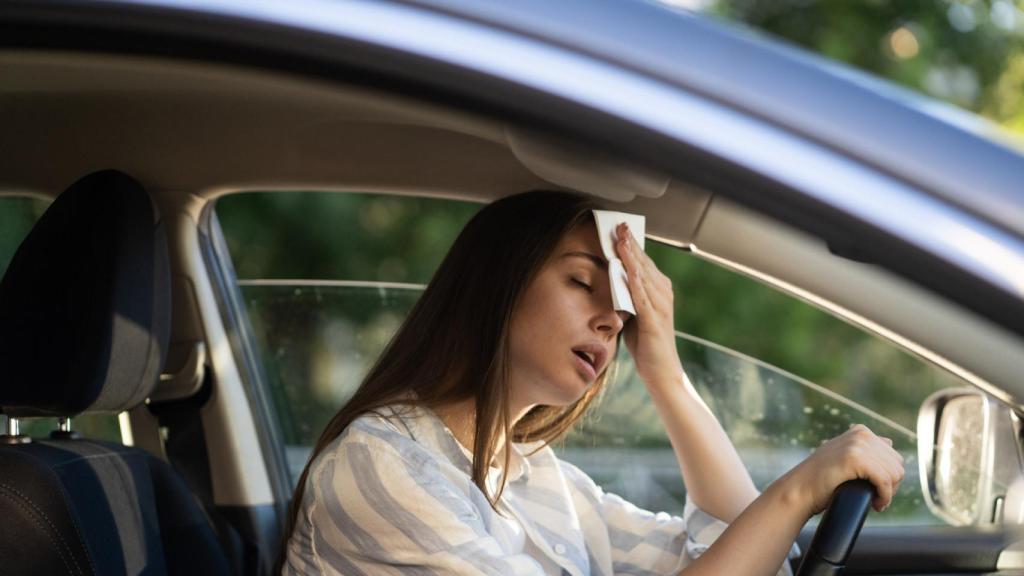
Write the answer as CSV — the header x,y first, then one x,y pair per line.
x,y
644,259
893,468
881,479
634,275
874,464
891,456
657,286
889,460
895,460
891,449
638,290
886,455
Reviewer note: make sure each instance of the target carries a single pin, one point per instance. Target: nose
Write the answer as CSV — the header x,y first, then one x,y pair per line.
x,y
609,321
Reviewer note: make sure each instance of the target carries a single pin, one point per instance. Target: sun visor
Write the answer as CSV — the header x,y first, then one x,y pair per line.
x,y
584,170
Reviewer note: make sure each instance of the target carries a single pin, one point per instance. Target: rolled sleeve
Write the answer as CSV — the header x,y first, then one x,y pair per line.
x,y
702,529
649,543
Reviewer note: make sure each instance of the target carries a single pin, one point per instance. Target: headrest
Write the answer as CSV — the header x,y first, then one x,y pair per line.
x,y
85,304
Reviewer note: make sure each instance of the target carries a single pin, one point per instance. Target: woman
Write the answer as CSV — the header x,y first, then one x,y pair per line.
x,y
439,464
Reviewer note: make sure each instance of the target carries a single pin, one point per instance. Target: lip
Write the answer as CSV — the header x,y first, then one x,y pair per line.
x,y
585,368
600,357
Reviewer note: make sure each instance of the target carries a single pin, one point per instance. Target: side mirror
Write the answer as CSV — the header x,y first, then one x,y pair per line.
x,y
969,456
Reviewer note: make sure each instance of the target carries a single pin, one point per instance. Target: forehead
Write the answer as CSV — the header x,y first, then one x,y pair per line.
x,y
581,238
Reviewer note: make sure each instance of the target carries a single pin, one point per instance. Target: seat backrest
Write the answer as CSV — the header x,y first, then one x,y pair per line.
x,y
84,326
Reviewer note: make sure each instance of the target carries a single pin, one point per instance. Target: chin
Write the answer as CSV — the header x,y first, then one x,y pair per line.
x,y
561,390
565,394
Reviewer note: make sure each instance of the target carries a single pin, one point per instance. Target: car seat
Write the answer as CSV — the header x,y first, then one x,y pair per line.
x,y
84,328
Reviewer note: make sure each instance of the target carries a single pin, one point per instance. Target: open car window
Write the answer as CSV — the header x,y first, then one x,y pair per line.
x,y
326,279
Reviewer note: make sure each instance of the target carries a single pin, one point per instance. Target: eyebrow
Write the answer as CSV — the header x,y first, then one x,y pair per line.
x,y
597,260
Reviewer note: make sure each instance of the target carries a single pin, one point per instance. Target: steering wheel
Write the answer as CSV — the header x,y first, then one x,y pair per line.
x,y
838,530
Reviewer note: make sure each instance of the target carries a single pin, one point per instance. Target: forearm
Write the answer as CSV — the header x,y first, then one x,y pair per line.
x,y
715,477
758,540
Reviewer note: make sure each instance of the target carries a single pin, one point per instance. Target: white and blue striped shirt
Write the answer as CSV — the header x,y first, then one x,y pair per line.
x,y
395,496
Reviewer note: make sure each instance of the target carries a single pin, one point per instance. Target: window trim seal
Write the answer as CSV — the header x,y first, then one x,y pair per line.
x,y
230,305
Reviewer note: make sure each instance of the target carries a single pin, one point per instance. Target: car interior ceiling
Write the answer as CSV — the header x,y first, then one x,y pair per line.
x,y
238,129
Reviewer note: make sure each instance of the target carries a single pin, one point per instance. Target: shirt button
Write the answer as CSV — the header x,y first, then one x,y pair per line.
x,y
559,549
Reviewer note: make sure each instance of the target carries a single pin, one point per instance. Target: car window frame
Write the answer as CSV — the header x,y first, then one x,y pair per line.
x,y
231,306
257,380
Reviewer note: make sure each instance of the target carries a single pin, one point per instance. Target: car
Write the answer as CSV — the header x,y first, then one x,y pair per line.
x,y
308,163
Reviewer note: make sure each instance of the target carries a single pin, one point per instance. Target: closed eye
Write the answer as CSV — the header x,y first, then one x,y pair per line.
x,y
583,285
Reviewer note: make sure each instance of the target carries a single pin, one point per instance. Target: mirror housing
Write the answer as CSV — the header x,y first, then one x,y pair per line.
x,y
970,458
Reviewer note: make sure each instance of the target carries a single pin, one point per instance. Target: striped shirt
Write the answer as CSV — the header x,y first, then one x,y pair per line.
x,y
394,495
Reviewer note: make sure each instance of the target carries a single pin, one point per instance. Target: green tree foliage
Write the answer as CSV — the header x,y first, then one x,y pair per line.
x,y
17,215
323,235
967,52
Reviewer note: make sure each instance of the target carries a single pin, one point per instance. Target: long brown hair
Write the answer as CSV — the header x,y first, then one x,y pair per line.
x,y
454,345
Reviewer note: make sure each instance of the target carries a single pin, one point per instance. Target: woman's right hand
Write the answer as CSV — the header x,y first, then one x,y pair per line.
x,y
857,453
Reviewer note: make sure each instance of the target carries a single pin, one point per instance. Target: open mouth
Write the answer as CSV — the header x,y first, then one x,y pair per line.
x,y
587,357
589,361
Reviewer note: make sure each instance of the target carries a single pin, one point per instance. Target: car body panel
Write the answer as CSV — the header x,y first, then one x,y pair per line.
x,y
671,91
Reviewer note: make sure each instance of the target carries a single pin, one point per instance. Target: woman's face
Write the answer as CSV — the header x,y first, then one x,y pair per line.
x,y
563,332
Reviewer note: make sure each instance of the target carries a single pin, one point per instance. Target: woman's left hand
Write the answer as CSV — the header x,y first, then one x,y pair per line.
x,y
650,337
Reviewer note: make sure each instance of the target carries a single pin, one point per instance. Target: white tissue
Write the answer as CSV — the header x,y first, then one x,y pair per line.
x,y
607,221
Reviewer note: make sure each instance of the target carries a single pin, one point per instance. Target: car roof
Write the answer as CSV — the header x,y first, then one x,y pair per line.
x,y
951,153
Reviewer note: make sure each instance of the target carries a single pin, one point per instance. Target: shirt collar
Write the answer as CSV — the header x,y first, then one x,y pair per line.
x,y
427,428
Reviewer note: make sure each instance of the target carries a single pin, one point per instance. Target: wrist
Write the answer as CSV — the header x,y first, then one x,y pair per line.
x,y
668,382
791,494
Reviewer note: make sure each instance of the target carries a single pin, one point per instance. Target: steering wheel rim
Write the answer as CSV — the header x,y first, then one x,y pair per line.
x,y
838,530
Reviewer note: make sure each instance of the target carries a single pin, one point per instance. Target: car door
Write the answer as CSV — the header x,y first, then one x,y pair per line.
x,y
662,92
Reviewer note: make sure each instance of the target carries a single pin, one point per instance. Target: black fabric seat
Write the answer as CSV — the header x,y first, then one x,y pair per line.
x,y
84,326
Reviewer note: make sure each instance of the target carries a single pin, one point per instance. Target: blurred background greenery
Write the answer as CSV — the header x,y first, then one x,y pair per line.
x,y
969,53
